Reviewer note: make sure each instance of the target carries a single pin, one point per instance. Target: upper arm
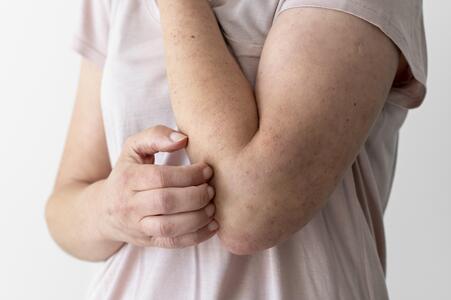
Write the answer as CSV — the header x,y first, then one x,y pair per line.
x,y
323,79
85,156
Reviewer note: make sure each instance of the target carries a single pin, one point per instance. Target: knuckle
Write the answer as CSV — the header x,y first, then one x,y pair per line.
x,y
160,177
154,130
158,127
164,202
165,228
165,242
130,141
172,243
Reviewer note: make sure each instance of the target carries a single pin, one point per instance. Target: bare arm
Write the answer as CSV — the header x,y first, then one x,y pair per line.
x,y
322,81
71,209
206,81
94,208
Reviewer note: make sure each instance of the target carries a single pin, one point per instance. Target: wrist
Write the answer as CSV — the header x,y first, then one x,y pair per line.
x,y
98,214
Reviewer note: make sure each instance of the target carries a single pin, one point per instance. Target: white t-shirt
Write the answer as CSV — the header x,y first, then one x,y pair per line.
x,y
340,253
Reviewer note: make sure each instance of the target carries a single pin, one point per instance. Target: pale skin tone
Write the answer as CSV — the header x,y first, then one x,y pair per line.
x,y
94,208
277,150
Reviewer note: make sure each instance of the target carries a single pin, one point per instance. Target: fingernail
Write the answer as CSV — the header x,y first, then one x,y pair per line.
x,y
207,172
210,210
177,136
213,225
211,192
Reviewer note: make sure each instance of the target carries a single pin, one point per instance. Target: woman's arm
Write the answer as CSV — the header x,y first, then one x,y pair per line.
x,y
322,81
71,209
95,209
206,85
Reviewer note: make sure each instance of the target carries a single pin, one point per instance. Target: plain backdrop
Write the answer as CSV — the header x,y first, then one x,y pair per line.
x,y
38,77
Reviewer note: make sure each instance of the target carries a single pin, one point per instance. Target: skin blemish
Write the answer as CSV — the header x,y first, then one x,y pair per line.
x,y
355,104
360,49
193,36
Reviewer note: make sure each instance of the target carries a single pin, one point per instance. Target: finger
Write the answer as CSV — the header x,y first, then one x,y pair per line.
x,y
177,224
185,240
171,200
148,177
194,238
140,146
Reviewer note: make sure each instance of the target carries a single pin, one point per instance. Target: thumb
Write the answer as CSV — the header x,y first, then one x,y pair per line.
x,y
146,143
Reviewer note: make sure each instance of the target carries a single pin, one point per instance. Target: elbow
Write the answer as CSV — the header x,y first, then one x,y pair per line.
x,y
49,214
249,244
237,232
248,209
246,241
238,246
247,232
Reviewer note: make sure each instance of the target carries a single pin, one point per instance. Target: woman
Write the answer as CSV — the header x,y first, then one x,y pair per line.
x,y
294,105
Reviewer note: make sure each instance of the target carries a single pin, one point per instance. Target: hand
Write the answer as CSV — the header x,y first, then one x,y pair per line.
x,y
155,205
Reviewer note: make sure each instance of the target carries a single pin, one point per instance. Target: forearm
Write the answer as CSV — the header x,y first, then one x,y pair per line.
x,y
71,214
212,100
213,103
283,172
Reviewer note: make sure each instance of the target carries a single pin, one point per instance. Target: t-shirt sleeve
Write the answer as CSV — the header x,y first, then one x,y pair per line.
x,y
90,38
402,22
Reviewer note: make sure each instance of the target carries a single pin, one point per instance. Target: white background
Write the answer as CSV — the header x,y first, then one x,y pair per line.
x,y
38,76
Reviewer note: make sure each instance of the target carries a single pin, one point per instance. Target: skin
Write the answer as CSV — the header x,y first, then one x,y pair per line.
x,y
95,209
280,150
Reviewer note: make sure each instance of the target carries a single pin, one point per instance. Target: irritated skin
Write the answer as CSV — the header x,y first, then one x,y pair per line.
x,y
278,151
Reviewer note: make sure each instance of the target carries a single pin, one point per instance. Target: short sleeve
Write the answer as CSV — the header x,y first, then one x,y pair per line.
x,y
402,22
90,38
